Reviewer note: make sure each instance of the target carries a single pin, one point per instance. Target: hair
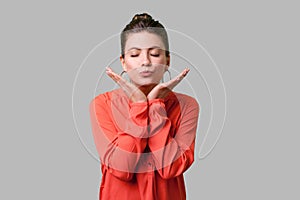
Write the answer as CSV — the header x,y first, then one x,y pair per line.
x,y
144,22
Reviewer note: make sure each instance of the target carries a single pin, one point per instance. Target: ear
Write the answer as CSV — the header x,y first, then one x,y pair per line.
x,y
168,63
122,60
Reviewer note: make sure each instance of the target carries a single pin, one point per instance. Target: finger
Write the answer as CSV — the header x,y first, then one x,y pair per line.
x,y
183,73
173,82
124,84
116,77
113,75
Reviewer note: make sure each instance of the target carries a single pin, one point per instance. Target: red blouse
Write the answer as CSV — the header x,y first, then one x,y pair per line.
x,y
144,147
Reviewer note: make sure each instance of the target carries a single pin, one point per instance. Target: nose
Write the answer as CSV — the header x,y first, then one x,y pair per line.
x,y
145,59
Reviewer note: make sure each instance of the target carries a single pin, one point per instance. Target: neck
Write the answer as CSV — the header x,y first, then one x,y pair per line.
x,y
146,88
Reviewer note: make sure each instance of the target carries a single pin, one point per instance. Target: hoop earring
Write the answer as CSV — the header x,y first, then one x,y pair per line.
x,y
127,78
122,73
170,77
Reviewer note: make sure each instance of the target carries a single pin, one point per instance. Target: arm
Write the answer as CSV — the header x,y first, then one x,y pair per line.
x,y
173,149
119,150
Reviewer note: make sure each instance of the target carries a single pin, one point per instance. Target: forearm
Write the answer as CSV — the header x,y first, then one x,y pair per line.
x,y
119,147
122,155
172,146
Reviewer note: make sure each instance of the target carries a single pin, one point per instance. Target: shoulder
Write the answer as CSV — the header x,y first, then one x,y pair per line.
x,y
187,103
189,106
185,99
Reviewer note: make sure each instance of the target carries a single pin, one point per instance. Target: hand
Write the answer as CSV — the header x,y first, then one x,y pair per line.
x,y
162,90
134,94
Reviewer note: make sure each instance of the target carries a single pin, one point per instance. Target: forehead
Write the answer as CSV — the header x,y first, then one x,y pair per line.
x,y
143,40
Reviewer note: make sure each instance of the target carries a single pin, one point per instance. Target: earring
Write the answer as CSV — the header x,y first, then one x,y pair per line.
x,y
122,73
162,80
127,78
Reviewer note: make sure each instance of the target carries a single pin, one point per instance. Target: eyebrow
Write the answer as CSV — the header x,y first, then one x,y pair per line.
x,y
153,47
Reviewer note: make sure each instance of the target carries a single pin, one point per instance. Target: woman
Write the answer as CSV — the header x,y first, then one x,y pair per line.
x,y
143,131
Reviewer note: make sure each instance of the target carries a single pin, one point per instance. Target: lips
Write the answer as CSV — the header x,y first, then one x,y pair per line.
x,y
146,73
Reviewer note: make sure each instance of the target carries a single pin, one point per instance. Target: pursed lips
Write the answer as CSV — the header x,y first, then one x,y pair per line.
x,y
146,73
145,70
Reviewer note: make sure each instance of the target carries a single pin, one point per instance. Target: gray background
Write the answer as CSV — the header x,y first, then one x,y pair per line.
x,y
254,43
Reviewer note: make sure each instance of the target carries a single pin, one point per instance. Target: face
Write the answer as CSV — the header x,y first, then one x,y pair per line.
x,y
145,60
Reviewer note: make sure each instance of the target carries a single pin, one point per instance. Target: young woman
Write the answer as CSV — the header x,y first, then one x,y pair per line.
x,y
143,131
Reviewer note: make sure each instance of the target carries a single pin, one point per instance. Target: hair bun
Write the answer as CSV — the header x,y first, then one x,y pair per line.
x,y
145,16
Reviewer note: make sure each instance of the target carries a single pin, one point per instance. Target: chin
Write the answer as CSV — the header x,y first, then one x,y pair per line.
x,y
146,82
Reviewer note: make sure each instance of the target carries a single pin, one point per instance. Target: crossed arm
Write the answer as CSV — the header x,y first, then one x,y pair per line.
x,y
121,140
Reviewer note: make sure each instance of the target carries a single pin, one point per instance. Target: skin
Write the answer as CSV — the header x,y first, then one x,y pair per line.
x,y
145,62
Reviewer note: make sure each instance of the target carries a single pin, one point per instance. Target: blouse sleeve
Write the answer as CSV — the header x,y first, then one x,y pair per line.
x,y
173,149
120,137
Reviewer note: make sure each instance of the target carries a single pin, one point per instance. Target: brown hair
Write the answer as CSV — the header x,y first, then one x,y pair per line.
x,y
144,22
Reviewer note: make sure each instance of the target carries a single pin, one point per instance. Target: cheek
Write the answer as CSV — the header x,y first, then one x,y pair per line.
x,y
130,64
160,67
161,61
